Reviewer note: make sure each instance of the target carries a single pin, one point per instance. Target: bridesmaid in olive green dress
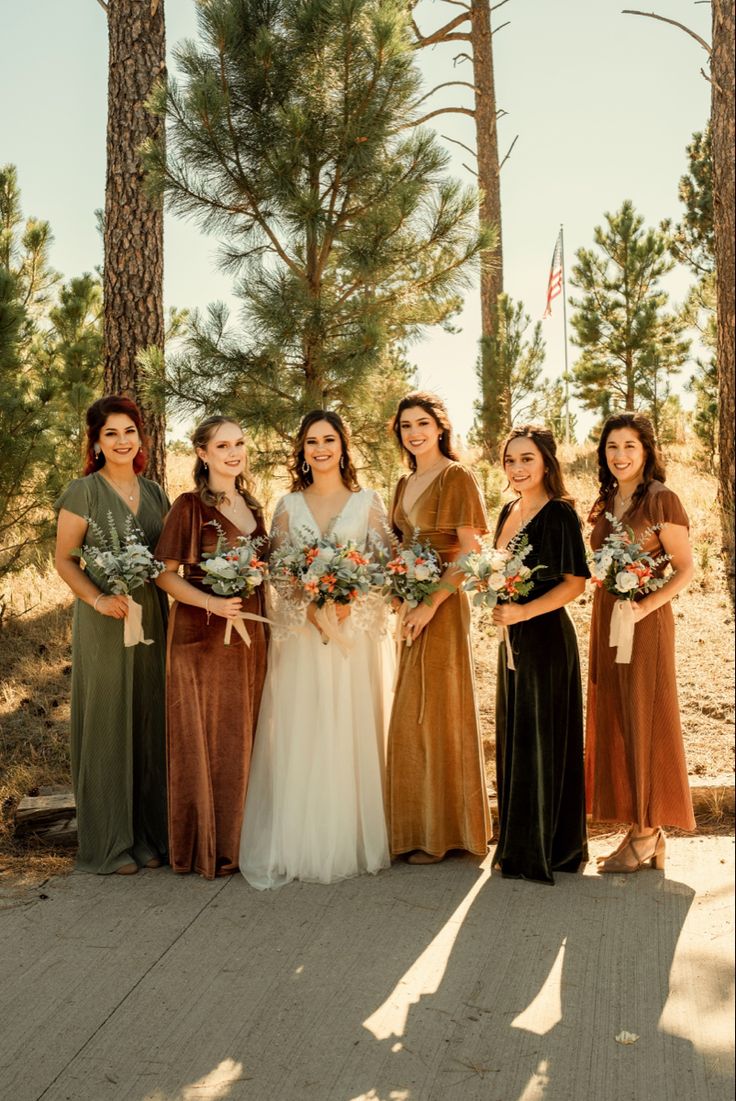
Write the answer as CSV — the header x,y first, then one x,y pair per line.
x,y
117,720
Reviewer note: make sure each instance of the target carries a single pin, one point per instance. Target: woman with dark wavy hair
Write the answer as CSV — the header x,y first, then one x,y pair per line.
x,y
117,721
436,788
635,760
314,809
539,698
213,691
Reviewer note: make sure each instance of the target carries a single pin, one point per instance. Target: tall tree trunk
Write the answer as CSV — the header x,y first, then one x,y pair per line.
x,y
133,274
493,414
722,122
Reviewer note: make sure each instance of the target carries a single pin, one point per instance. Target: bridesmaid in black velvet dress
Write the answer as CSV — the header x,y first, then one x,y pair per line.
x,y
539,706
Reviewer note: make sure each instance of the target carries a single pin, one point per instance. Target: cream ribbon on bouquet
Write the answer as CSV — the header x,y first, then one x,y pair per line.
x,y
133,625
504,636
329,625
237,626
621,634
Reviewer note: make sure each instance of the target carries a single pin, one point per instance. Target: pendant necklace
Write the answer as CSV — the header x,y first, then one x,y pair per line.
x,y
119,491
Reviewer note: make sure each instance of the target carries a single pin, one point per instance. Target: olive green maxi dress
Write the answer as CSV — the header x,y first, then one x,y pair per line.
x,y
118,733
436,790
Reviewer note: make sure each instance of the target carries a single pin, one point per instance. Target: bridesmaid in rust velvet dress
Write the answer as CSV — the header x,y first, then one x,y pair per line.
x,y
436,789
635,761
213,691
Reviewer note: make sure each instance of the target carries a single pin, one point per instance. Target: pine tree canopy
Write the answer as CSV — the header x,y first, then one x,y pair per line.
x,y
692,239
290,138
518,364
630,344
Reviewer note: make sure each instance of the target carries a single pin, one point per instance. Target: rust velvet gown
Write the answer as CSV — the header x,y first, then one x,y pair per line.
x,y
634,759
213,693
436,788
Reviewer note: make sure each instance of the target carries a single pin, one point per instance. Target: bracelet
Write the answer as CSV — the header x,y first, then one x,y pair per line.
x,y
98,597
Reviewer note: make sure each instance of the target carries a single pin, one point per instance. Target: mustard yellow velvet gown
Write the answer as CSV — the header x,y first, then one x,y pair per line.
x,y
436,788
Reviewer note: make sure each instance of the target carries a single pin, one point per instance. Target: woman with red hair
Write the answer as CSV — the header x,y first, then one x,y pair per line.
x,y
117,720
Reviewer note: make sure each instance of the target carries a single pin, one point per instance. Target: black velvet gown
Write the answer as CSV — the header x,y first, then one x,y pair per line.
x,y
539,716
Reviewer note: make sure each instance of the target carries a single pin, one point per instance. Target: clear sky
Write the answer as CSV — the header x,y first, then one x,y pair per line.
x,y
603,103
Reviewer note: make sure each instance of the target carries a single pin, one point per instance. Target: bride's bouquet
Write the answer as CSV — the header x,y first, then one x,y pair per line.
x,y
329,573
623,568
499,576
412,576
126,563
232,570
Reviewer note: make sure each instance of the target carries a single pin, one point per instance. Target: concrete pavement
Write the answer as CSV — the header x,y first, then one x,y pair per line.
x,y
439,983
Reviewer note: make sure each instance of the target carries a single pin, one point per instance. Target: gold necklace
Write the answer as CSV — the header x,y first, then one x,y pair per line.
x,y
426,472
117,487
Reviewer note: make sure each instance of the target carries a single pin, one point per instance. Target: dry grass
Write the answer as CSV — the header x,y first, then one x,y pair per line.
x,y
35,659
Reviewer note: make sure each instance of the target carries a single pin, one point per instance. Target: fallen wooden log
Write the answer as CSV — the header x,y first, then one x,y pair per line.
x,y
38,813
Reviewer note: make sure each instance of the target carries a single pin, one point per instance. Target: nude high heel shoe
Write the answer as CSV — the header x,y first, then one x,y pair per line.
x,y
647,851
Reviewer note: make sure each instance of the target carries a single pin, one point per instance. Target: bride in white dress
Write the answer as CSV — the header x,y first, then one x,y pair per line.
x,y
314,809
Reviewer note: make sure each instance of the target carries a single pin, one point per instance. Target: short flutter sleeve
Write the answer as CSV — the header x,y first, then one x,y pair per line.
x,y
181,537
561,549
76,498
460,502
665,507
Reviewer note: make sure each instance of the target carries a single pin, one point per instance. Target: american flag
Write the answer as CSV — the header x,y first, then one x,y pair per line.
x,y
554,287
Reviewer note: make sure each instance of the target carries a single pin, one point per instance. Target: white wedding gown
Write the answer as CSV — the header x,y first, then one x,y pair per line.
x,y
314,809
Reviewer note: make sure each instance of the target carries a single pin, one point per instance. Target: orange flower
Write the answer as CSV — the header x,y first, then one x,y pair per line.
x,y
397,566
356,557
329,581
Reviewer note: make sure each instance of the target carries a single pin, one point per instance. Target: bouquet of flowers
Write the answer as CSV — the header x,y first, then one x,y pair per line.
x,y
499,576
495,575
624,569
329,573
412,575
126,563
230,570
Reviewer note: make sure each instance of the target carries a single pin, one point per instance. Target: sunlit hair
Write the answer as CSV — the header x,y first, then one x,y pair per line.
x,y
434,405
97,415
200,437
653,462
301,479
543,439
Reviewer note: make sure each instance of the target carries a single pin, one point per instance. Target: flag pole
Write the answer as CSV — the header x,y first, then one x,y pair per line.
x,y
564,327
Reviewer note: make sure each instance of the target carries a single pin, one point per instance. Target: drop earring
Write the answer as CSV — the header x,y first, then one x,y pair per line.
x,y
305,467
342,462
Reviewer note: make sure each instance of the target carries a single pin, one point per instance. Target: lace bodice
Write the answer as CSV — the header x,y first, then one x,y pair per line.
x,y
362,520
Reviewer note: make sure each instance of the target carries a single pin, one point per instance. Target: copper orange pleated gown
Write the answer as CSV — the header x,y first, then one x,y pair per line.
x,y
634,758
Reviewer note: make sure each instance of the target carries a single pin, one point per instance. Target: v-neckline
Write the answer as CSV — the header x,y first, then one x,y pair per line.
x,y
333,521
243,534
122,500
418,498
524,527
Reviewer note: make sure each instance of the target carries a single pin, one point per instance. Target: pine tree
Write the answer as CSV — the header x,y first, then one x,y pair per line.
x,y
548,408
518,362
691,240
290,139
133,224
630,343
72,363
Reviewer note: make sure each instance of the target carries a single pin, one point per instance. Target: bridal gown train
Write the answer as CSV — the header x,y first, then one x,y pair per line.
x,y
315,807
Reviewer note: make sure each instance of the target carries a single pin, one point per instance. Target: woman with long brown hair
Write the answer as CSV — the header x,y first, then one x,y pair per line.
x,y
436,788
213,690
539,705
117,720
635,761
314,809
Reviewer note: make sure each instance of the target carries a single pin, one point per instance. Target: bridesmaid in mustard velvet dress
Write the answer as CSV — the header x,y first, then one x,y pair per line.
x,y
436,788
213,691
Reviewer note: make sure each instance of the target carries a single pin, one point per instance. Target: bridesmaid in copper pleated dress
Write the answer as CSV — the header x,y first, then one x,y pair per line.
x,y
213,691
635,760
436,790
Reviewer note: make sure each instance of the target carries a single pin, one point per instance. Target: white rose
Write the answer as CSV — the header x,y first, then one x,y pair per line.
x,y
220,566
498,561
497,581
626,581
422,573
